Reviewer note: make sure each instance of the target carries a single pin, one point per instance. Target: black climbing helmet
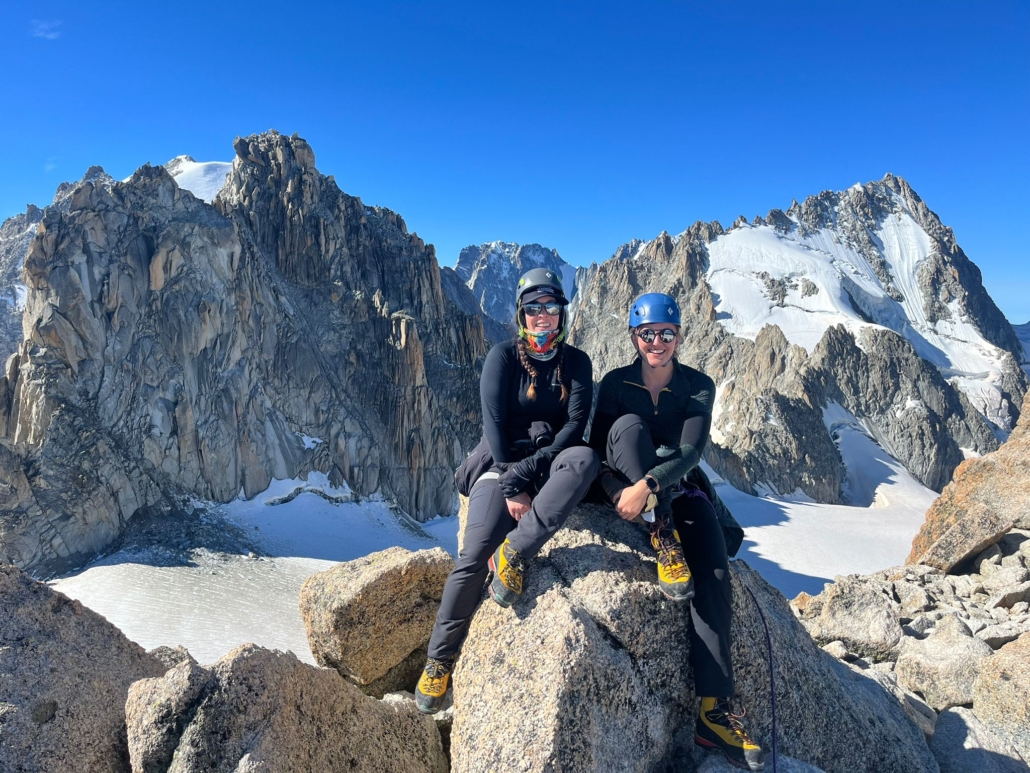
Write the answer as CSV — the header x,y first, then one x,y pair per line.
x,y
538,282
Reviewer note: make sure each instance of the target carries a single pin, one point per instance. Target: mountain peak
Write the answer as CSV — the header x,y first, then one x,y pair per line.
x,y
491,271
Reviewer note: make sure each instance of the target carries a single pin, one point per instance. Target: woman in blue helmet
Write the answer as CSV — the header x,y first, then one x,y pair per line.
x,y
650,428
526,475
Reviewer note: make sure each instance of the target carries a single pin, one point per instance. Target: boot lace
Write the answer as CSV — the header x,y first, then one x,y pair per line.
x,y
722,715
671,559
670,553
437,670
511,573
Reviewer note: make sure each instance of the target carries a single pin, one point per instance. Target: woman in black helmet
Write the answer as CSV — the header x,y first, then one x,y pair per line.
x,y
650,427
525,476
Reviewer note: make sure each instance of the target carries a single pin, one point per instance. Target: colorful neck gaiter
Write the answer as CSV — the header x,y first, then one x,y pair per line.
x,y
542,346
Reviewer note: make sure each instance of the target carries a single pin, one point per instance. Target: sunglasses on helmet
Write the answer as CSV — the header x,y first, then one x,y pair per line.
x,y
536,309
647,335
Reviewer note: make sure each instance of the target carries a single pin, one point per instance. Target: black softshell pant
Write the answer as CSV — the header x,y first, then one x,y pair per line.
x,y
630,454
489,522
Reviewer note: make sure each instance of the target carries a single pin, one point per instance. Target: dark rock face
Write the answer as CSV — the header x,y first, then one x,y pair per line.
x,y
491,271
455,289
770,429
15,236
175,348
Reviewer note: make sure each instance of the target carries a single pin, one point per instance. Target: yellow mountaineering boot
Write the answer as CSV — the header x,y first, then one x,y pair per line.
x,y
718,728
508,567
674,577
433,684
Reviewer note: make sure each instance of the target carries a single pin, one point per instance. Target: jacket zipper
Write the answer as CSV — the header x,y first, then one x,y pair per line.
x,y
654,401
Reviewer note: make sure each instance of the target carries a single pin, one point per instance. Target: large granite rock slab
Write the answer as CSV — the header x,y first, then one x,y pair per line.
x,y
64,675
859,612
944,665
263,710
367,617
593,662
963,744
1001,694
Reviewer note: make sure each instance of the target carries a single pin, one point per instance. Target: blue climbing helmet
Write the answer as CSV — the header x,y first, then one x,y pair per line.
x,y
651,308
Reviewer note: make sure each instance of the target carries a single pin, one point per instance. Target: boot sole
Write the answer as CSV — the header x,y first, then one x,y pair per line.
x,y
678,599
428,709
704,744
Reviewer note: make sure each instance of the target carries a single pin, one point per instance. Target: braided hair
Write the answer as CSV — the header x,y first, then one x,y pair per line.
x,y
527,363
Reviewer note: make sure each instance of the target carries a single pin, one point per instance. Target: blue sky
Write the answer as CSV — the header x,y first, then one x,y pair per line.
x,y
578,125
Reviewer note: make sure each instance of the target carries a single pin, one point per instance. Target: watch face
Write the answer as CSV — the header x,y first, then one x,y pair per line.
x,y
652,484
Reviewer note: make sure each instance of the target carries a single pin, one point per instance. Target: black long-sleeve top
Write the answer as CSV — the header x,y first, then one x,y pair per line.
x,y
508,412
679,419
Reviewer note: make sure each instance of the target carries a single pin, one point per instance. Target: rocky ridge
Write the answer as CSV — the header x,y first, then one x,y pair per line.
x,y
175,349
16,234
941,638
781,407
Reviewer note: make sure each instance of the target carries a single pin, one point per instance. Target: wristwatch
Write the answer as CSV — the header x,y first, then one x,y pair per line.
x,y
652,484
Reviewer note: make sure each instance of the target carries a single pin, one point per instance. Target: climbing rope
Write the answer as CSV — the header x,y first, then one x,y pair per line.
x,y
772,680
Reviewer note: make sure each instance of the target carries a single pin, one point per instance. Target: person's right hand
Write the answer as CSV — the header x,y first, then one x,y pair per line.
x,y
519,505
631,502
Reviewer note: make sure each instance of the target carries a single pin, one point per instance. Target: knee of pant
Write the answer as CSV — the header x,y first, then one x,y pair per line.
x,y
625,422
582,460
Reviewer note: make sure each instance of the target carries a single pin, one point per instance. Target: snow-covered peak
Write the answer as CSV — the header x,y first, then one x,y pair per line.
x,y
201,178
174,167
872,255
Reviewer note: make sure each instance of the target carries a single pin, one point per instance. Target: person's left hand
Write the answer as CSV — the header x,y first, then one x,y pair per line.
x,y
631,502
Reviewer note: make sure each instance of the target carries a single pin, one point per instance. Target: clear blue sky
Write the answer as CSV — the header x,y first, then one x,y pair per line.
x,y
578,125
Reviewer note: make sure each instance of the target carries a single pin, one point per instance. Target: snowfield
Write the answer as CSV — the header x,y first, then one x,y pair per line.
x,y
216,601
201,178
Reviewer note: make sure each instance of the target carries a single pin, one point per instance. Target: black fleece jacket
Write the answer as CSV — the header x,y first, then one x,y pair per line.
x,y
680,419
508,412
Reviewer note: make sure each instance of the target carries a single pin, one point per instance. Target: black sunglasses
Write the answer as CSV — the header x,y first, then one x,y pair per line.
x,y
536,309
647,335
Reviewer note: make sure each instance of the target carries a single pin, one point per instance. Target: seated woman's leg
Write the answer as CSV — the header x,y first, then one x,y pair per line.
x,y
631,454
486,527
717,727
710,610
630,451
572,472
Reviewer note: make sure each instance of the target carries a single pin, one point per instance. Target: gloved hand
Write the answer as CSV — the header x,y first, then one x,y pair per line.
x,y
521,475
